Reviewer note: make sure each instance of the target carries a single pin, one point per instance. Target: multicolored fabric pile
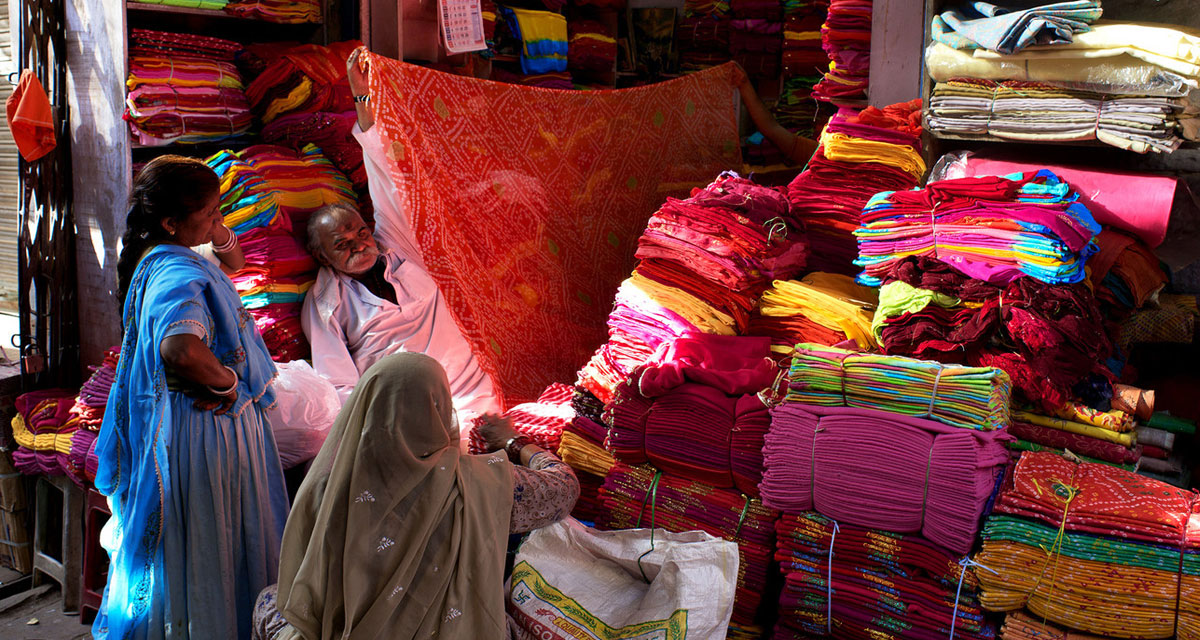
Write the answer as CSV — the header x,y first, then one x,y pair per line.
x,y
183,88
860,155
876,584
543,37
636,497
1093,548
846,38
694,411
50,441
93,395
1049,338
703,41
703,263
281,11
582,448
331,133
972,25
967,397
820,308
302,79
302,181
1038,112
1125,274
991,228
882,470
543,421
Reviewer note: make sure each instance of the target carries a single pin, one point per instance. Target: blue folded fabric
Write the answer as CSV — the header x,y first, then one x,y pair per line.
x,y
1008,29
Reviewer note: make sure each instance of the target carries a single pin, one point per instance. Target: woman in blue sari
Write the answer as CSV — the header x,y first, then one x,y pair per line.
x,y
186,454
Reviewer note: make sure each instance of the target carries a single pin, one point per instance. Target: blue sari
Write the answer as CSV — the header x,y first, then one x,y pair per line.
x,y
198,500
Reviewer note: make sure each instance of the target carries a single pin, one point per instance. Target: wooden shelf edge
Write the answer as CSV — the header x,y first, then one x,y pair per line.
x,y
131,5
1187,144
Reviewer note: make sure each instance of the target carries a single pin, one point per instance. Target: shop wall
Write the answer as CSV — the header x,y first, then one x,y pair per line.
x,y
100,163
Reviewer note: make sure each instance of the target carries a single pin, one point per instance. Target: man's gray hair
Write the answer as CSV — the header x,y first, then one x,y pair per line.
x,y
319,219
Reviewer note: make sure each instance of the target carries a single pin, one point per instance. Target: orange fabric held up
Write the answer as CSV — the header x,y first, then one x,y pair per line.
x,y
30,118
526,202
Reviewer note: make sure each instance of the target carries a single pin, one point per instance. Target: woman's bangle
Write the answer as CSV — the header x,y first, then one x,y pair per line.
x,y
232,387
229,244
366,97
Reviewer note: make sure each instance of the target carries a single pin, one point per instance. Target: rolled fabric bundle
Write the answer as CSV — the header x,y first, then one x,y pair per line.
x,y
1096,499
1076,443
882,582
1087,430
1157,437
971,397
635,497
1139,402
1113,419
882,470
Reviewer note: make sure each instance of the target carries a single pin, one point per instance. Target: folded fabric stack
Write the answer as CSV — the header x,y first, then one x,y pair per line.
x,y
1048,338
981,25
703,41
884,585
1019,110
1092,548
247,201
302,181
1161,456
543,37
331,132
882,470
49,441
280,11
592,47
802,63
846,38
543,421
582,448
1022,626
694,411
821,308
703,263
756,37
93,395
184,88
301,79
860,155
1172,320
278,272
640,498
968,397
990,228
212,5
1086,439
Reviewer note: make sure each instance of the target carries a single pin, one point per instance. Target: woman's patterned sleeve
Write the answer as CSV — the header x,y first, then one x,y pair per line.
x,y
543,493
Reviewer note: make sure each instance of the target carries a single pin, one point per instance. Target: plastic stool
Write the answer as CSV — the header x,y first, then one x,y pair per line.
x,y
95,558
65,570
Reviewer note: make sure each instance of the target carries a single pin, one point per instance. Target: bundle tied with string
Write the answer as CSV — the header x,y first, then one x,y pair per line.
x,y
882,470
969,397
635,497
849,581
696,411
1093,548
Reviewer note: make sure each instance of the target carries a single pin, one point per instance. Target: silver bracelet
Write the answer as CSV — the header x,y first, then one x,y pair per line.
x,y
229,244
232,387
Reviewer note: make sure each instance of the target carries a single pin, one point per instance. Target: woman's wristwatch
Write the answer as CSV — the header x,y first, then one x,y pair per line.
x,y
514,445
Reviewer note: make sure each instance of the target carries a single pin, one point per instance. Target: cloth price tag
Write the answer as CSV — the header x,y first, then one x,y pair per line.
x,y
461,24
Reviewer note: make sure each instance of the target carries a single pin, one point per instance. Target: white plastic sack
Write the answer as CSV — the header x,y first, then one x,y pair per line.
x,y
570,582
305,407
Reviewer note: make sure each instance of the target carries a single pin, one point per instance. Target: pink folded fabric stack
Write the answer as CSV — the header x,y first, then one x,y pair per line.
x,y
44,429
703,263
694,413
882,470
846,37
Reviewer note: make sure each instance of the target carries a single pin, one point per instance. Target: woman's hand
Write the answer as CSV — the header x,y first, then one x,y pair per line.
x,y
496,431
354,73
218,404
192,369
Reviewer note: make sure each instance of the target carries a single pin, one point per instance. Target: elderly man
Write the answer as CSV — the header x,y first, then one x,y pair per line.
x,y
372,299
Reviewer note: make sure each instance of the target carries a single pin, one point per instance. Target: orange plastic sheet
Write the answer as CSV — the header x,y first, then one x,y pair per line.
x,y
526,203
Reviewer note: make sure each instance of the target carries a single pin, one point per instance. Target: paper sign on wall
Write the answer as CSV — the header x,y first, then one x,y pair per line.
x,y
461,23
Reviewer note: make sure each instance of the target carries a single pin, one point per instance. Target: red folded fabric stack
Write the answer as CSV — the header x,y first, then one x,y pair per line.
x,y
828,197
280,11
93,395
302,79
703,41
591,47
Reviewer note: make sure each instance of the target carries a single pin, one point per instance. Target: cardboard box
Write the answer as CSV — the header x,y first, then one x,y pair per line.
x,y
16,549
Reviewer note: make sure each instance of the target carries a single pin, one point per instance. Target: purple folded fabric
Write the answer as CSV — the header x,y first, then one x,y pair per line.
x,y
882,470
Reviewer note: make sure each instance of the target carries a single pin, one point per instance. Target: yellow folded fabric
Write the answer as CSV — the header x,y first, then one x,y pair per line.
x,y
58,441
1124,439
294,99
945,62
843,148
702,315
1114,420
581,455
831,300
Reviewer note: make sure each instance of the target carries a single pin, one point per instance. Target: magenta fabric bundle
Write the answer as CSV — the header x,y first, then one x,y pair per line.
x,y
882,470
680,412
751,422
75,463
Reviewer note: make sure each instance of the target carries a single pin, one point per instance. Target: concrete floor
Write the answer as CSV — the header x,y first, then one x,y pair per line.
x,y
37,614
